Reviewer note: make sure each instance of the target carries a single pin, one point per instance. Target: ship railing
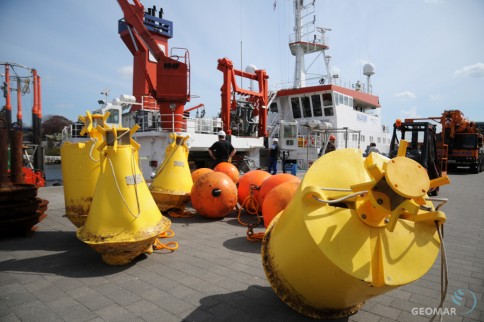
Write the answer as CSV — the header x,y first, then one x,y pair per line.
x,y
320,79
178,123
72,131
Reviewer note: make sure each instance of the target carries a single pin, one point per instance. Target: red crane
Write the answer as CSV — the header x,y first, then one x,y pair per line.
x,y
259,99
155,74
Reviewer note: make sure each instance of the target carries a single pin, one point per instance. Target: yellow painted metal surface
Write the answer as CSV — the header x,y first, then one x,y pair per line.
x,y
80,169
325,260
123,220
172,184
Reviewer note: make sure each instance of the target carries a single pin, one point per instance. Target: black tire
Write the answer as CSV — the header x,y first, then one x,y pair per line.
x,y
474,168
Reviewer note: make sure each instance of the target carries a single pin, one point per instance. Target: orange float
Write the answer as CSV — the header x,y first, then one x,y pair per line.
x,y
272,182
214,195
200,172
255,178
277,200
229,169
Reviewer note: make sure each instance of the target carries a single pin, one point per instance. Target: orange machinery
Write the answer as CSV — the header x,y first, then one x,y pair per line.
x,y
165,78
464,139
257,100
34,173
460,142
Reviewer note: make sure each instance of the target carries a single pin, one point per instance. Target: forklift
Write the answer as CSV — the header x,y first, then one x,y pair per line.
x,y
422,148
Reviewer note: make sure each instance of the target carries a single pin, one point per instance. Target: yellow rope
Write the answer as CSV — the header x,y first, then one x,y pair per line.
x,y
171,246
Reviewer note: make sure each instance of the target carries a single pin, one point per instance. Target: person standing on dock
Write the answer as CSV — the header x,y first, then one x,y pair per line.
x,y
222,150
274,156
373,148
329,147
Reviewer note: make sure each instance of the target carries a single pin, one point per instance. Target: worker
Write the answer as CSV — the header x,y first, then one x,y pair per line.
x,y
222,150
273,156
373,148
330,146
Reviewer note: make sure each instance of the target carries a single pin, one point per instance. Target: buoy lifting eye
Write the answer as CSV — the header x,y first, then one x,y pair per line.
x,y
216,192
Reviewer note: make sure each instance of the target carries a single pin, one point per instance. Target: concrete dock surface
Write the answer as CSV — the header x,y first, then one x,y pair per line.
x,y
216,274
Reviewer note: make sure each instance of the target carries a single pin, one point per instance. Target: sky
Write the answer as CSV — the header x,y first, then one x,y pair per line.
x,y
428,54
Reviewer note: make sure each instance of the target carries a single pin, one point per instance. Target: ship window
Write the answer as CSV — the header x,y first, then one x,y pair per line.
x,y
113,117
345,100
350,101
296,109
306,105
371,139
290,131
328,111
316,100
340,99
273,108
378,140
336,95
327,99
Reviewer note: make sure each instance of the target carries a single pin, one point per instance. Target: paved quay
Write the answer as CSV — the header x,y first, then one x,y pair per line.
x,y
216,274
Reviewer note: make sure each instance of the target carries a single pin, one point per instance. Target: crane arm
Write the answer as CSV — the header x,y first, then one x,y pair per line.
x,y
133,15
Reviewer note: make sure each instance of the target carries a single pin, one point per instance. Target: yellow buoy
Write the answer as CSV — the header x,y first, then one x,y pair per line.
x,y
80,169
172,184
348,237
123,220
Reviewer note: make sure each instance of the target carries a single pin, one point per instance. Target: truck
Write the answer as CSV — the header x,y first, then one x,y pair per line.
x,y
464,139
458,144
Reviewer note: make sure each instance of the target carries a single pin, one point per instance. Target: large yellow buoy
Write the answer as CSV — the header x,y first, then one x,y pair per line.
x,y
173,182
123,220
348,237
81,167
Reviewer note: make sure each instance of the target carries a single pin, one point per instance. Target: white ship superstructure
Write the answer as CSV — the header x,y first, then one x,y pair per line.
x,y
305,115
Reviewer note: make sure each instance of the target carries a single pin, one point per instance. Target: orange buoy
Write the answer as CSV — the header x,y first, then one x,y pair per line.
x,y
229,169
272,182
251,178
200,172
214,195
277,200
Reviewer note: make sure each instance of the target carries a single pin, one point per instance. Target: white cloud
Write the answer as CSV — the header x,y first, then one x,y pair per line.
x,y
410,113
126,72
476,70
407,95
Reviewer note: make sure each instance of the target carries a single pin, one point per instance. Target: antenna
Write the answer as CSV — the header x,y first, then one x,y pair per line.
x,y
105,92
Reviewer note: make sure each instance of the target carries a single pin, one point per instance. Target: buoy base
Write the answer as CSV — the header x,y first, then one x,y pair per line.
x,y
287,294
166,201
77,220
118,254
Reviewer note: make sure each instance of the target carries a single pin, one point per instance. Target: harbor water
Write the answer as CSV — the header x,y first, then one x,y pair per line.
x,y
53,174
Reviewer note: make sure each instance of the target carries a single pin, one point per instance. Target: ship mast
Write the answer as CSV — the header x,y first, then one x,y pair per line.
x,y
299,71
306,40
